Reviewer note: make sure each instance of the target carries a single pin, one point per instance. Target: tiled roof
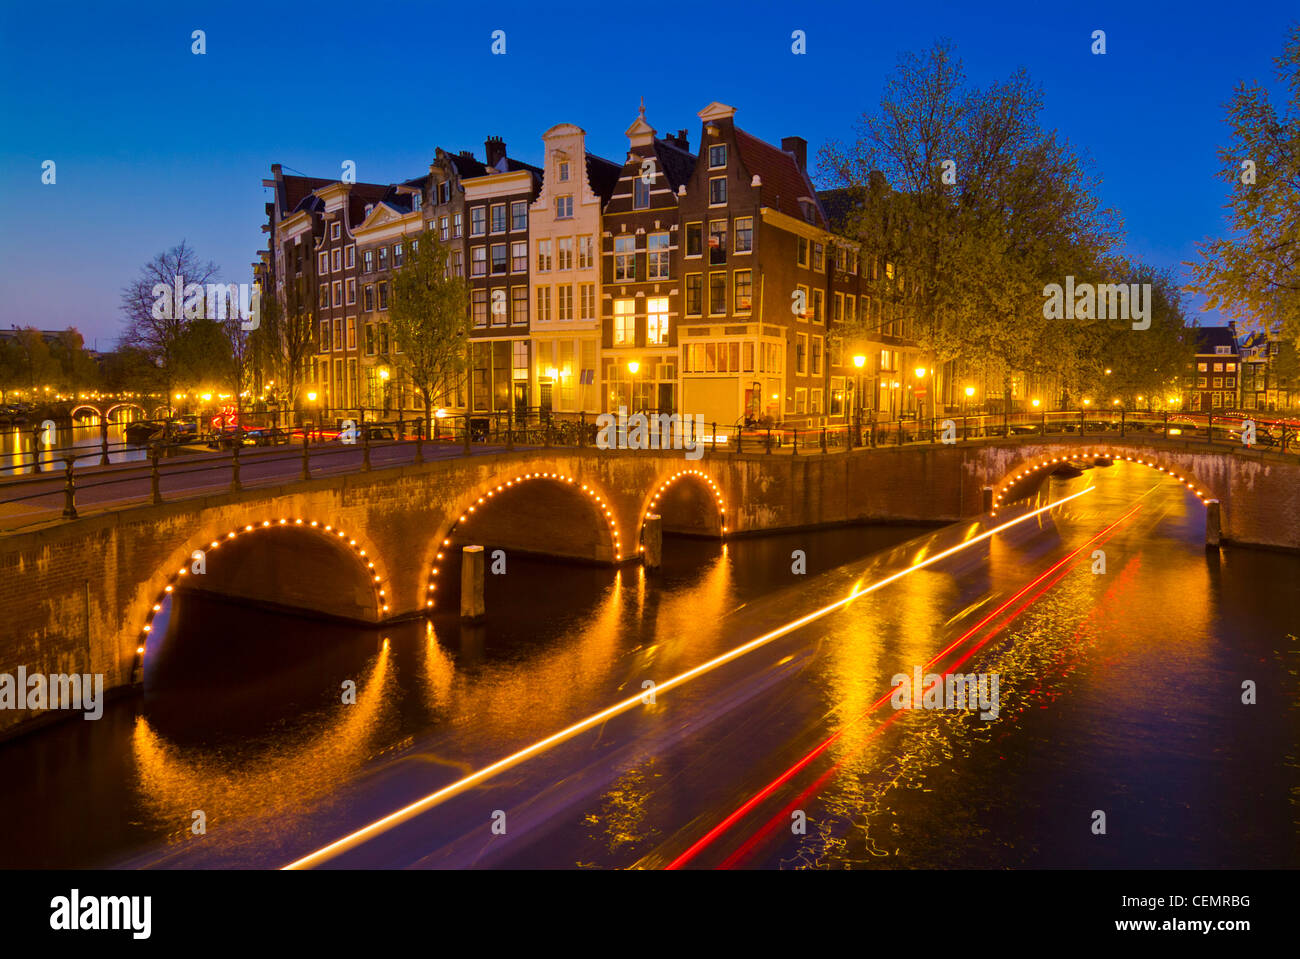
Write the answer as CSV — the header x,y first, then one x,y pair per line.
x,y
1209,337
297,187
783,182
677,164
602,175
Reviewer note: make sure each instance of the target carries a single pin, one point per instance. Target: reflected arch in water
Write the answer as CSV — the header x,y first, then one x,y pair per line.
x,y
1014,485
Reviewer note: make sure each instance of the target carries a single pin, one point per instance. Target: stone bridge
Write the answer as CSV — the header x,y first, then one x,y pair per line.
x,y
81,595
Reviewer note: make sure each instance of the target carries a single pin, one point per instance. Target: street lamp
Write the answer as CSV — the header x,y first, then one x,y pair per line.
x,y
920,403
859,361
632,367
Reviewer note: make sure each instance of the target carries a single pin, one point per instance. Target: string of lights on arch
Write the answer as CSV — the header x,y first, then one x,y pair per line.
x,y
333,532
601,503
663,488
1060,460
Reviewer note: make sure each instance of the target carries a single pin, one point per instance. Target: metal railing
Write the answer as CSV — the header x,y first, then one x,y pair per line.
x,y
231,456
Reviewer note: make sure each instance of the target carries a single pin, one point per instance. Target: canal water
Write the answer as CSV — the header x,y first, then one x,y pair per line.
x,y
1121,692
19,443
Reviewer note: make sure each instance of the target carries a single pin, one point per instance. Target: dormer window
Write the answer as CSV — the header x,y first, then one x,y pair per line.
x,y
717,156
564,171
416,199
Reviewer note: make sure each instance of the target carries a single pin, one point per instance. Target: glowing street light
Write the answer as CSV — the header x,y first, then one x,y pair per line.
x,y
970,391
1036,403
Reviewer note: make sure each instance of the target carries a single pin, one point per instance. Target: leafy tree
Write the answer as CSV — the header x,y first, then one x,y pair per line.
x,y
428,320
284,342
1254,272
978,207
77,370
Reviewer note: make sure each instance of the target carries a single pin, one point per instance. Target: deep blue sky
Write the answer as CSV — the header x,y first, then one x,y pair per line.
x,y
155,144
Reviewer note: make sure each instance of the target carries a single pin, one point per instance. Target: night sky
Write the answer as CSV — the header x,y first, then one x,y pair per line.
x,y
154,144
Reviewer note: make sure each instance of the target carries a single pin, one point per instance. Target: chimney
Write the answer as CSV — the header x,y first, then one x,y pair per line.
x,y
683,140
495,148
799,147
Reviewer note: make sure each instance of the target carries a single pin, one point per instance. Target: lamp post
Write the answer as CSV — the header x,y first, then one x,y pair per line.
x,y
859,361
632,367
383,387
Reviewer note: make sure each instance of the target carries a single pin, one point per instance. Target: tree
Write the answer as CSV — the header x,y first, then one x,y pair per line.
x,y
76,369
1254,273
159,335
427,319
284,341
977,207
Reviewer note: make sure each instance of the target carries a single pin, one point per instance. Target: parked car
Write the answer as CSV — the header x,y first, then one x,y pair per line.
x,y
369,431
267,436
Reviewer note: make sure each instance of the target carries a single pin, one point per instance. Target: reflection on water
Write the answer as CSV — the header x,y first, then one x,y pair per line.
x,y
23,446
242,715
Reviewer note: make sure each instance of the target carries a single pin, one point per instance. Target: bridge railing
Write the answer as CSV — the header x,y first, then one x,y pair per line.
x,y
260,457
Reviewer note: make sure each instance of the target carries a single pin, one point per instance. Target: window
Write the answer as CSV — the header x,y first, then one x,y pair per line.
x,y
370,339
657,256
478,303
841,259
587,304
853,262
801,354
336,258
694,239
519,216
335,229
744,283
801,256
640,194
624,322
564,171
457,225
850,308
624,258
889,270
564,253
323,296
564,301
350,256
819,257
543,256
444,191
717,191
519,256
1217,383
383,295
498,259
417,200
657,319
478,261
837,307
816,358
322,263
694,294
457,263
519,305
803,299
1218,367
352,333
397,256
498,303
586,252
717,242
368,298
444,229
717,293
563,207
352,292
368,261
717,156
324,342
818,305
1200,381
543,304
1201,367
477,221
338,336
1222,350
498,218
815,401
744,234
383,258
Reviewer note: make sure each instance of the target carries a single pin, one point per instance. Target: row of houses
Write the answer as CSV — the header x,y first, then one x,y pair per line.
x,y
1242,371
713,280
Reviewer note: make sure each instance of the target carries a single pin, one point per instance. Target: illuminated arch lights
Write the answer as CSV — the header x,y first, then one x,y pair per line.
x,y
1059,460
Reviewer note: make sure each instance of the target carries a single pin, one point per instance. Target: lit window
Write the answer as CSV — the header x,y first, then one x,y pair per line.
x,y
624,322
657,320
744,280
543,304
